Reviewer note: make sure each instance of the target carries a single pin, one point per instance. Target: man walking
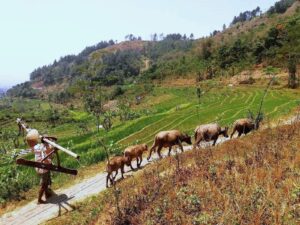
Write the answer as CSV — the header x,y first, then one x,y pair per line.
x,y
41,150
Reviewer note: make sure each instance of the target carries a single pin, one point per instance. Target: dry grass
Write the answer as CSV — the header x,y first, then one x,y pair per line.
x,y
188,81
252,180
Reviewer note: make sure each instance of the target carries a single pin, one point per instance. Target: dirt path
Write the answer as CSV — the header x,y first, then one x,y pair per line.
x,y
64,200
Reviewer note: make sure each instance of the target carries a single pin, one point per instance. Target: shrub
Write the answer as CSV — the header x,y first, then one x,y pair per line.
x,y
250,80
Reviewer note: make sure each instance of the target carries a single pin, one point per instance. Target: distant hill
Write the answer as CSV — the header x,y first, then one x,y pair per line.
x,y
2,91
252,38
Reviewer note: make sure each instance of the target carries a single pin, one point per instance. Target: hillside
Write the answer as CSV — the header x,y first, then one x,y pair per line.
x,y
252,180
113,95
253,38
2,91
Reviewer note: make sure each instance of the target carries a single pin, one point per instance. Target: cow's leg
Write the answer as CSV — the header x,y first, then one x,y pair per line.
x,y
141,159
107,178
111,179
197,141
170,149
196,138
234,130
122,171
180,145
115,174
240,134
131,165
137,161
215,141
151,150
159,150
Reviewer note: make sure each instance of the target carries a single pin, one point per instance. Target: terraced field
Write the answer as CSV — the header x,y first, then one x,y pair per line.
x,y
169,108
223,107
173,108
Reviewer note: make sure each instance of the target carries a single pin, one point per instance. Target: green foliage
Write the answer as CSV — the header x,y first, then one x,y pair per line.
x,y
118,91
66,65
281,6
292,68
138,126
12,180
207,49
53,116
119,66
23,90
174,55
229,55
107,120
270,70
125,112
246,16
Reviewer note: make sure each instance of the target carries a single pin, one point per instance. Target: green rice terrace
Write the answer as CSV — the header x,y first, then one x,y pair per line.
x,y
164,109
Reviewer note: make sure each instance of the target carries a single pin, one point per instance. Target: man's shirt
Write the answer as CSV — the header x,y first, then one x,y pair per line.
x,y
40,152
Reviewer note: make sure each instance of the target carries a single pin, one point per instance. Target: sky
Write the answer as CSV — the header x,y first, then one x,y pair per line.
x,y
36,32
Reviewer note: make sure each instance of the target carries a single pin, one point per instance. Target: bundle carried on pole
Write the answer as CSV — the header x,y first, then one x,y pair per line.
x,y
56,147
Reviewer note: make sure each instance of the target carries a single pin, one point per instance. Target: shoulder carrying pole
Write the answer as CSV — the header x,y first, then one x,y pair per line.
x,y
19,121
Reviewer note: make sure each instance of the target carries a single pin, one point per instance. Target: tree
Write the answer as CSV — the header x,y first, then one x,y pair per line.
x,y
131,37
93,100
191,36
53,116
258,52
292,67
246,16
154,37
107,121
161,36
199,99
207,49
271,71
224,27
215,32
280,6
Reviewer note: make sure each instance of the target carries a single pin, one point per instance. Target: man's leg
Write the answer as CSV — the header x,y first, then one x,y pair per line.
x,y
42,189
48,191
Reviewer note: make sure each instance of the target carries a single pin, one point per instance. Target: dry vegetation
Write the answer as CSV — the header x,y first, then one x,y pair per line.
x,y
253,180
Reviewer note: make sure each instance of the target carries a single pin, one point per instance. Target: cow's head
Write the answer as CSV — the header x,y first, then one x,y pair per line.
x,y
186,138
127,160
145,147
224,131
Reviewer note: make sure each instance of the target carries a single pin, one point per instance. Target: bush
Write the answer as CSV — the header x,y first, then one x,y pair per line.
x,y
280,6
250,80
118,90
12,180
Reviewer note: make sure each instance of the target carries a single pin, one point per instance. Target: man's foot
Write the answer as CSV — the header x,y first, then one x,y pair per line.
x,y
41,202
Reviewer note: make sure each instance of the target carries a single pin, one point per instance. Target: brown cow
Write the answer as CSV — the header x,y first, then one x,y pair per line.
x,y
244,126
209,132
167,139
114,164
135,152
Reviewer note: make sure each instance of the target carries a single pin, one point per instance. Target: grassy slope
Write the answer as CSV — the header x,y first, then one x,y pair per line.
x,y
221,104
252,180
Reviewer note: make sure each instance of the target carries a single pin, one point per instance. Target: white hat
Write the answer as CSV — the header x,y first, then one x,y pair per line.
x,y
33,135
